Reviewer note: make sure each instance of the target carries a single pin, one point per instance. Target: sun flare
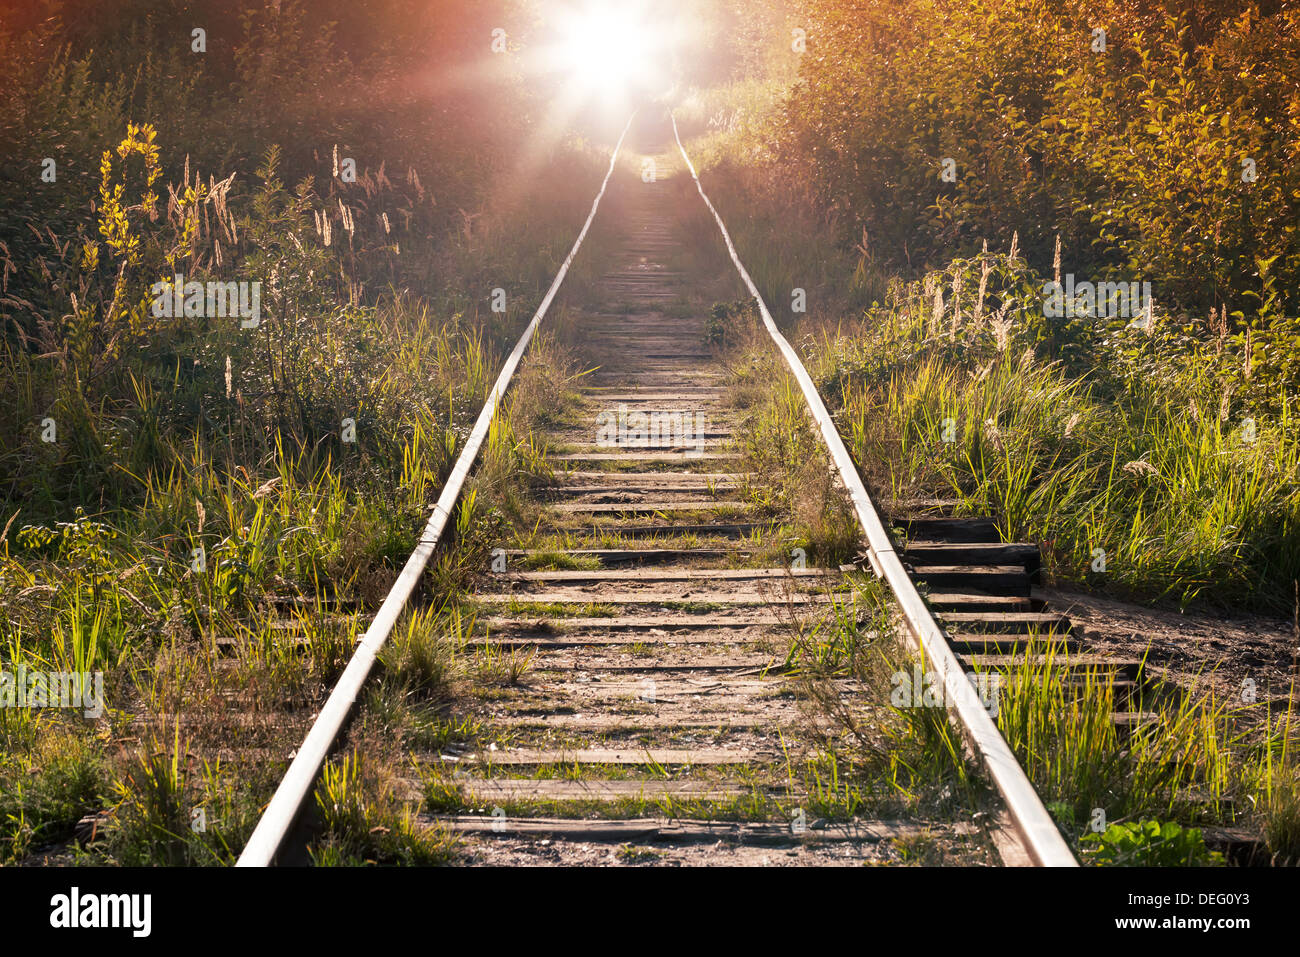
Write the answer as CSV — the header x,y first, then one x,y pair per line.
x,y
609,49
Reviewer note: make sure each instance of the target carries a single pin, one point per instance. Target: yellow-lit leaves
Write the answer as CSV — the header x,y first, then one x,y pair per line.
x,y
114,224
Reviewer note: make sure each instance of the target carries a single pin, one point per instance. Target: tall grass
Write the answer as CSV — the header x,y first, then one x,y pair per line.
x,y
202,480
1188,496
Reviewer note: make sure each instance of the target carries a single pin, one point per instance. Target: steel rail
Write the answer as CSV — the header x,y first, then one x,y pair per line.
x,y
1037,831
278,818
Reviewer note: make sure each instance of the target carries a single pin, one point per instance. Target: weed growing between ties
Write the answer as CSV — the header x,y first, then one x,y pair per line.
x,y
897,754
791,471
365,823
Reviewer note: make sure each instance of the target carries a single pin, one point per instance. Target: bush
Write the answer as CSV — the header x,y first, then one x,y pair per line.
x,y
1149,844
1134,155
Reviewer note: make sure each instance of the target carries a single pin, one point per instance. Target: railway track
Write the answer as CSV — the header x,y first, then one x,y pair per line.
x,y
653,604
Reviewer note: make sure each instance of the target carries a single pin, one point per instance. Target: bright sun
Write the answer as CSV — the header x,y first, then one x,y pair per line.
x,y
609,48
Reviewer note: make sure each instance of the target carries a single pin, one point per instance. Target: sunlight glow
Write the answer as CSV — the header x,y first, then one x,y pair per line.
x,y
610,48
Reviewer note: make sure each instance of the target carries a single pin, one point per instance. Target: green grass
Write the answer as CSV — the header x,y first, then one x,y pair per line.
x,y
49,778
1199,760
1142,467
363,823
557,560
201,490
521,608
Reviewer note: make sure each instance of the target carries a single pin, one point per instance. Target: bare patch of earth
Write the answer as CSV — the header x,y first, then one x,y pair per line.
x,y
1205,650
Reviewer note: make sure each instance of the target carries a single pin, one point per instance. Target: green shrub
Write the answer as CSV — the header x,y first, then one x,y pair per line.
x,y
1149,844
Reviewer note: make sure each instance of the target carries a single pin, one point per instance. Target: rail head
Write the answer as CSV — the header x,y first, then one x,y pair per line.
x,y
277,820
1037,830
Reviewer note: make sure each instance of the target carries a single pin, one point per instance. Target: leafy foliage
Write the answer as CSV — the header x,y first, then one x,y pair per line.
x,y
1150,844
1134,153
